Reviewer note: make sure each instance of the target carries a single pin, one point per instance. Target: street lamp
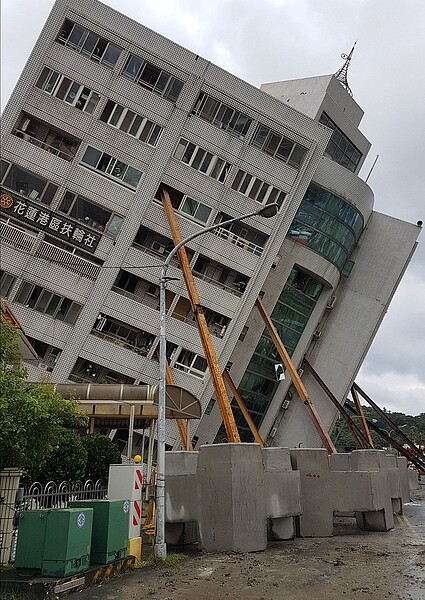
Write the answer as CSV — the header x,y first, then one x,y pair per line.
x,y
270,210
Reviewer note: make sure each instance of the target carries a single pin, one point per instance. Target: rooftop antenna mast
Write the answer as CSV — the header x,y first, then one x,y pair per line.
x,y
341,74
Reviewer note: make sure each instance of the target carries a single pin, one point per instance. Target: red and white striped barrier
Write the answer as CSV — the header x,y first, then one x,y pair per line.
x,y
125,482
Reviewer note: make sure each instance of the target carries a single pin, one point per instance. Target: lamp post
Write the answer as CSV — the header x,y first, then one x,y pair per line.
x,y
267,211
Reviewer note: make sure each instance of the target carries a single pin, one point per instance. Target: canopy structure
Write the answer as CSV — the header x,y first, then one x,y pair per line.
x,y
114,404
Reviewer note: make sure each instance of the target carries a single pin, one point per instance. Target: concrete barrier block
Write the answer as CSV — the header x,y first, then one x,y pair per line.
x,y
404,478
340,461
181,487
413,479
281,529
367,460
276,459
282,494
316,519
232,511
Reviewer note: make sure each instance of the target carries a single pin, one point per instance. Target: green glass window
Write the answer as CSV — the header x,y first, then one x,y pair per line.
x,y
327,224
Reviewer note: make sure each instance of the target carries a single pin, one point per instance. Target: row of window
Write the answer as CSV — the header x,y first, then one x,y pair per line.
x,y
339,147
76,206
166,85
221,115
257,189
278,146
189,207
111,167
327,224
88,43
202,160
69,91
47,302
132,123
290,317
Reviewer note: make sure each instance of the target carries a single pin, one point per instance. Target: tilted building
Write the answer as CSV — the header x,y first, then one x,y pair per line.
x,y
105,113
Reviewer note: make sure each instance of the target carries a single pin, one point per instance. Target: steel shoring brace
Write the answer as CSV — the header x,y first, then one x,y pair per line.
x,y
207,345
358,435
296,380
416,451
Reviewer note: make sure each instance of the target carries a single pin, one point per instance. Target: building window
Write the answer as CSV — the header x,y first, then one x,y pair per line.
x,y
123,334
201,160
26,183
221,115
90,372
191,363
47,302
241,235
188,207
290,317
326,224
47,355
153,78
6,282
243,333
339,148
44,136
69,91
257,189
278,146
111,167
125,119
90,214
209,407
88,43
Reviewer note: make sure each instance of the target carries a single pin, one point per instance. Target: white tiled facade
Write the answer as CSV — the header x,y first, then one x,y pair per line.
x,y
89,278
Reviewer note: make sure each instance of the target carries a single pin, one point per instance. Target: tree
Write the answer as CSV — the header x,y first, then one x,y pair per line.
x,y
102,452
32,416
66,462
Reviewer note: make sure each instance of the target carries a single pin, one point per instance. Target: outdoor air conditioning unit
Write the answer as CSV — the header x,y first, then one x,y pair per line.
x,y
158,247
317,334
331,302
285,404
300,372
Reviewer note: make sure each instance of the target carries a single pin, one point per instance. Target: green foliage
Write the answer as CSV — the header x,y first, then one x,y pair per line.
x,y
170,560
412,427
32,416
66,462
101,452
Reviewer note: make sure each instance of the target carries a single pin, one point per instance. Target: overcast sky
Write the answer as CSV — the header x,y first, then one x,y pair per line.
x,y
271,40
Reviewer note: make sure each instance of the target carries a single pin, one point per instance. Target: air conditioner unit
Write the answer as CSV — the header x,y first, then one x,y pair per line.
x,y
285,404
158,247
300,372
331,302
273,432
317,334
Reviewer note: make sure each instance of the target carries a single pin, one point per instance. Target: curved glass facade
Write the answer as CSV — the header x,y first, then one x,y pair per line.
x,y
290,316
327,224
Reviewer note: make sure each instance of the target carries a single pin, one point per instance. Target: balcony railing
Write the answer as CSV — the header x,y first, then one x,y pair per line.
x,y
124,343
238,241
237,291
66,155
68,260
17,237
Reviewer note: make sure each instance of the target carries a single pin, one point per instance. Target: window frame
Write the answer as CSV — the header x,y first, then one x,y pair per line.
x,y
112,215
223,169
43,295
272,193
111,164
163,84
229,116
269,142
80,45
147,131
41,195
57,85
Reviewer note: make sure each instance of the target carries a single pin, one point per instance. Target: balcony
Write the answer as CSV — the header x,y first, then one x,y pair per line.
x,y
24,240
43,136
69,260
240,242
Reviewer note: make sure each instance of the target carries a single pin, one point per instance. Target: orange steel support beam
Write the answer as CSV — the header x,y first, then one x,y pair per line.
x,y
363,423
244,411
208,347
296,380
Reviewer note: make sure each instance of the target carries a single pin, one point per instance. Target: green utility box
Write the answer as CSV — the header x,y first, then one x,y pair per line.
x,y
57,541
110,528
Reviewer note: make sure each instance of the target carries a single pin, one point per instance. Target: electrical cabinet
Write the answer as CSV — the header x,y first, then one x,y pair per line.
x,y
56,541
110,528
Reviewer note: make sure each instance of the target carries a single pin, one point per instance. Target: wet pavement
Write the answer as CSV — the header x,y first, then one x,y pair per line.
x,y
414,511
